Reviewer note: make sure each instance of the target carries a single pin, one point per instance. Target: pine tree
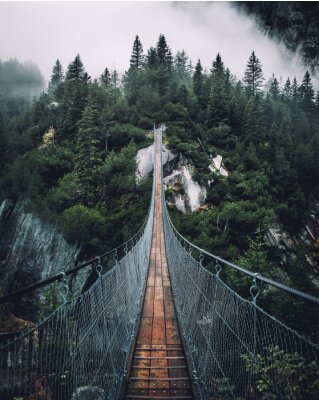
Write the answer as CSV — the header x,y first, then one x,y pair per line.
x,y
218,68
307,93
115,79
287,91
163,52
137,57
253,75
219,95
105,77
182,68
151,58
198,81
57,77
253,121
75,94
88,158
295,91
75,70
274,89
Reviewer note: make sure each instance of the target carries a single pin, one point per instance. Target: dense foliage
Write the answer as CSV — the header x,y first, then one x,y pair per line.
x,y
73,152
268,135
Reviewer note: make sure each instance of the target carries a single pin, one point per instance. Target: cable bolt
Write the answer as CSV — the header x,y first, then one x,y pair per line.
x,y
64,288
218,268
98,267
254,289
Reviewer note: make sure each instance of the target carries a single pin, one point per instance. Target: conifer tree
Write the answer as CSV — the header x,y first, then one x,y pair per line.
x,y
137,57
115,79
152,60
75,93
253,75
88,156
163,52
182,68
164,71
295,91
307,93
287,91
253,121
198,81
106,77
218,99
218,68
57,76
75,70
274,89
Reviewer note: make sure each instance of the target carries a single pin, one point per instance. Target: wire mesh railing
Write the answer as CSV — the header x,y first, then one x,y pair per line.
x,y
80,351
235,349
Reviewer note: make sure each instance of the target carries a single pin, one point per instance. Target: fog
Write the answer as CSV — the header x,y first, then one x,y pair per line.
x,y
103,34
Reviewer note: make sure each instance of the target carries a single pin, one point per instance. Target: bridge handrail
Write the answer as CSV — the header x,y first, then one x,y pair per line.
x,y
61,275
245,271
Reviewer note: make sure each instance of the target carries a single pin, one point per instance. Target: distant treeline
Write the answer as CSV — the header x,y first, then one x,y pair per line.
x,y
19,84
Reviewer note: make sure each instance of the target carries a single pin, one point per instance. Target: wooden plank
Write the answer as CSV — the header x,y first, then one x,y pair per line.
x,y
162,379
166,357
158,369
145,331
131,396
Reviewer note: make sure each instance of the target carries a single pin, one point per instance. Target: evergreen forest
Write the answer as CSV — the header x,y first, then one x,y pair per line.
x,y
71,157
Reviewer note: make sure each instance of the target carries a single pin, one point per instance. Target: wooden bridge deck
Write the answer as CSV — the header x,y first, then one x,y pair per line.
x,y
158,369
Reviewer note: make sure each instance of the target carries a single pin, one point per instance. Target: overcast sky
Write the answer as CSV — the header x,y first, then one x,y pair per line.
x,y
103,34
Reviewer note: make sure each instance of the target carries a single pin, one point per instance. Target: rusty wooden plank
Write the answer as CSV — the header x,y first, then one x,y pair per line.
x,y
149,293
151,280
145,331
158,280
166,357
155,397
158,368
185,379
148,309
172,333
158,331
166,367
158,293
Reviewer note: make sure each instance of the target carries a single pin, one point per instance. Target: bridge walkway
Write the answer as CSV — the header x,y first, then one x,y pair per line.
x,y
158,368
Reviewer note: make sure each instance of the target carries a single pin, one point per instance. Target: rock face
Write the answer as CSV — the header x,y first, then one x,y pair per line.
x,y
187,195
296,24
217,165
31,250
145,160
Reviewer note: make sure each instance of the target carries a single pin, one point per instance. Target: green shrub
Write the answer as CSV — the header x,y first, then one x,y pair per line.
x,y
80,223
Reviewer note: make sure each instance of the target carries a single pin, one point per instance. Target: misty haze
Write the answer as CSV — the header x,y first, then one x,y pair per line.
x,y
102,33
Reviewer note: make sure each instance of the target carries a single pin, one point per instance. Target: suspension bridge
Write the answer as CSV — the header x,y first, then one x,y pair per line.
x,y
158,325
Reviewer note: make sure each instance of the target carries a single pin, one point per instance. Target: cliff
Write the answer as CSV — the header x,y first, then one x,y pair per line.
x,y
30,250
295,24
